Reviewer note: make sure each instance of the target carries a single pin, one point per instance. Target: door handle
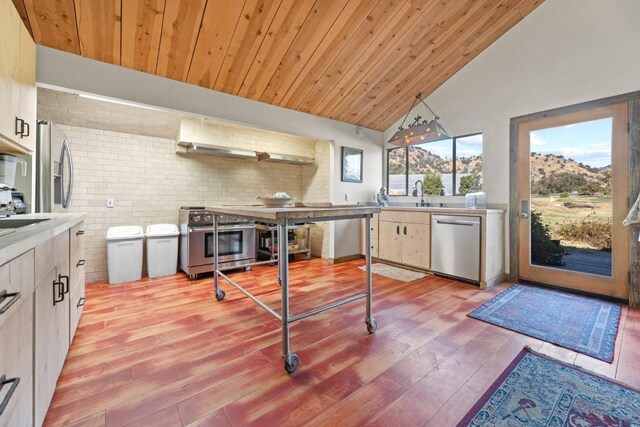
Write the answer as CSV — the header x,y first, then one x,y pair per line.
x,y
25,125
14,384
524,209
398,230
11,299
66,284
58,292
405,230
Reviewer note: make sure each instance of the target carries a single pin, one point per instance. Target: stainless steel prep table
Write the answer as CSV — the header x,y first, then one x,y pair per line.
x,y
283,218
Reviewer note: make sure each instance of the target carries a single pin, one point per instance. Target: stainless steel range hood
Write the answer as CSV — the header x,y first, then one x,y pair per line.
x,y
198,149
285,158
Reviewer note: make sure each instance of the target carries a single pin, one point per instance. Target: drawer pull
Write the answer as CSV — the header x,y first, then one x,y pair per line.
x,y
82,301
81,263
11,297
66,283
79,233
58,292
14,384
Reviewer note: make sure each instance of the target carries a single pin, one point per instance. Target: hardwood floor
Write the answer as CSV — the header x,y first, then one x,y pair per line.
x,y
164,352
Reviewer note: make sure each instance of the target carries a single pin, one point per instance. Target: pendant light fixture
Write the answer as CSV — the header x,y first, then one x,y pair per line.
x,y
420,131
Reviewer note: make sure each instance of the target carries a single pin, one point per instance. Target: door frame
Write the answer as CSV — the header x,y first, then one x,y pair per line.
x,y
633,140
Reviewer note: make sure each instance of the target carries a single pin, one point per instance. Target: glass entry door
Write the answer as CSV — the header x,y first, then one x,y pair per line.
x,y
573,189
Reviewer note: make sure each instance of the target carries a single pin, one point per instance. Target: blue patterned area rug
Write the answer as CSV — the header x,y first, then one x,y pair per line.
x,y
582,324
536,390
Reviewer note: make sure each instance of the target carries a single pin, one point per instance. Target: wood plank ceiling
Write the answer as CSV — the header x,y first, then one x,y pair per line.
x,y
358,61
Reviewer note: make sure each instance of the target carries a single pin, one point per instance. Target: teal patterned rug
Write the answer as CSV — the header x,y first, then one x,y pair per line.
x,y
583,324
536,390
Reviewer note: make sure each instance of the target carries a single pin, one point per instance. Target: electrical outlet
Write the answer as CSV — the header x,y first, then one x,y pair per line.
x,y
111,203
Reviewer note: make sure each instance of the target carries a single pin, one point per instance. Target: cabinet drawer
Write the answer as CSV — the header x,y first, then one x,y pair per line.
x,y
50,253
76,305
406,217
77,252
16,284
16,362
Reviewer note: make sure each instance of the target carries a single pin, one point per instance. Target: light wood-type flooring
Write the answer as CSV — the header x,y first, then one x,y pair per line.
x,y
164,352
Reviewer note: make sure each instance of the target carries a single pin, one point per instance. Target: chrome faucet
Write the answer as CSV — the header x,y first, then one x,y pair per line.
x,y
414,193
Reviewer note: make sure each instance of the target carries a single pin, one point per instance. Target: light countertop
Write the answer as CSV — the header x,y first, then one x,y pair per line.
x,y
26,238
293,213
437,210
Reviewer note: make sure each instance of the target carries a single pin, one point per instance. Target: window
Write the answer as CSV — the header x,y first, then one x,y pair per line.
x,y
450,167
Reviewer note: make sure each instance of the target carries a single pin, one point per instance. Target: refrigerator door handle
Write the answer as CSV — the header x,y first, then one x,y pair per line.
x,y
66,153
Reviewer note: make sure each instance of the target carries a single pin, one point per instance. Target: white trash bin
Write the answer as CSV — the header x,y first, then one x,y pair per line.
x,y
162,249
124,253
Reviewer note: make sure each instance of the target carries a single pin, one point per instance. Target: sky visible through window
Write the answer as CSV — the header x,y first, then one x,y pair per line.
x,y
587,142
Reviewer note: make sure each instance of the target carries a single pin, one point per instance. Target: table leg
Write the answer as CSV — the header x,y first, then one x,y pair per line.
x,y
219,292
372,325
291,360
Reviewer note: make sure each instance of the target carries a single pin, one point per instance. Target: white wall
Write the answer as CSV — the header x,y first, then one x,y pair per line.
x,y
565,52
64,70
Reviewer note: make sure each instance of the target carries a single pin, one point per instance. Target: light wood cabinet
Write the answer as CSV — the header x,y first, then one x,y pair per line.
x,y
406,238
27,107
416,245
17,83
374,236
16,340
77,262
391,250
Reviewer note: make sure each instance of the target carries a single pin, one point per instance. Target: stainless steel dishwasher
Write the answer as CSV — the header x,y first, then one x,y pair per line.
x,y
455,246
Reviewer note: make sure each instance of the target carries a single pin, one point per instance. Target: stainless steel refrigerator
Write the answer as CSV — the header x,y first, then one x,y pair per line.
x,y
54,168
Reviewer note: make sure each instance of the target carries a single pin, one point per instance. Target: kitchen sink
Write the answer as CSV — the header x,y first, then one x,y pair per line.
x,y
18,222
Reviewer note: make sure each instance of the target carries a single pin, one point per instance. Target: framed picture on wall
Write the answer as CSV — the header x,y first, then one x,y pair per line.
x,y
351,164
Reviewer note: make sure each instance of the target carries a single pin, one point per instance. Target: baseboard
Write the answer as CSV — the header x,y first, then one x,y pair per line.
x,y
345,259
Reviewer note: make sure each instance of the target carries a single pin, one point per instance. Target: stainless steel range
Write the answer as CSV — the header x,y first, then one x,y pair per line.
x,y
236,241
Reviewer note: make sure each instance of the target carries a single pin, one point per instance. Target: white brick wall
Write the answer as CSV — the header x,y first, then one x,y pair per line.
x,y
149,181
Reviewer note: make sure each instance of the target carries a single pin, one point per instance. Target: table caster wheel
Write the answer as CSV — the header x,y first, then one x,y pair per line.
x,y
372,325
291,367
220,295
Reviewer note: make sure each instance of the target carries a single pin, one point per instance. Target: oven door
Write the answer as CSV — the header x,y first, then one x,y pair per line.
x,y
235,242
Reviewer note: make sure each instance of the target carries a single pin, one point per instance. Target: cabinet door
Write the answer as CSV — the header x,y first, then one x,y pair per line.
x,y
390,248
51,339
416,245
9,68
76,305
16,363
27,110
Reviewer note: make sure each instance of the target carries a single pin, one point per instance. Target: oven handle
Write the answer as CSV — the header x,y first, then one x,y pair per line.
x,y
222,228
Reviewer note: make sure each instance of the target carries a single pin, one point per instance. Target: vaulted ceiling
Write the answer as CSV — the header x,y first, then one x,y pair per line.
x,y
358,61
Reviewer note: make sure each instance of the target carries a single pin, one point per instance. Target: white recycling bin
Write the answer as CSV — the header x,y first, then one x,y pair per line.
x,y
162,249
124,253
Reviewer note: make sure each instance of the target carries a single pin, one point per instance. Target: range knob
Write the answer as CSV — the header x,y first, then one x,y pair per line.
x,y
196,218
207,218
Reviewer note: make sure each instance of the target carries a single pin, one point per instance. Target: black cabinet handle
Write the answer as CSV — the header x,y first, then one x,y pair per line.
x,y
58,292
19,126
82,301
79,233
405,230
25,124
398,230
14,384
66,283
10,299
80,263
